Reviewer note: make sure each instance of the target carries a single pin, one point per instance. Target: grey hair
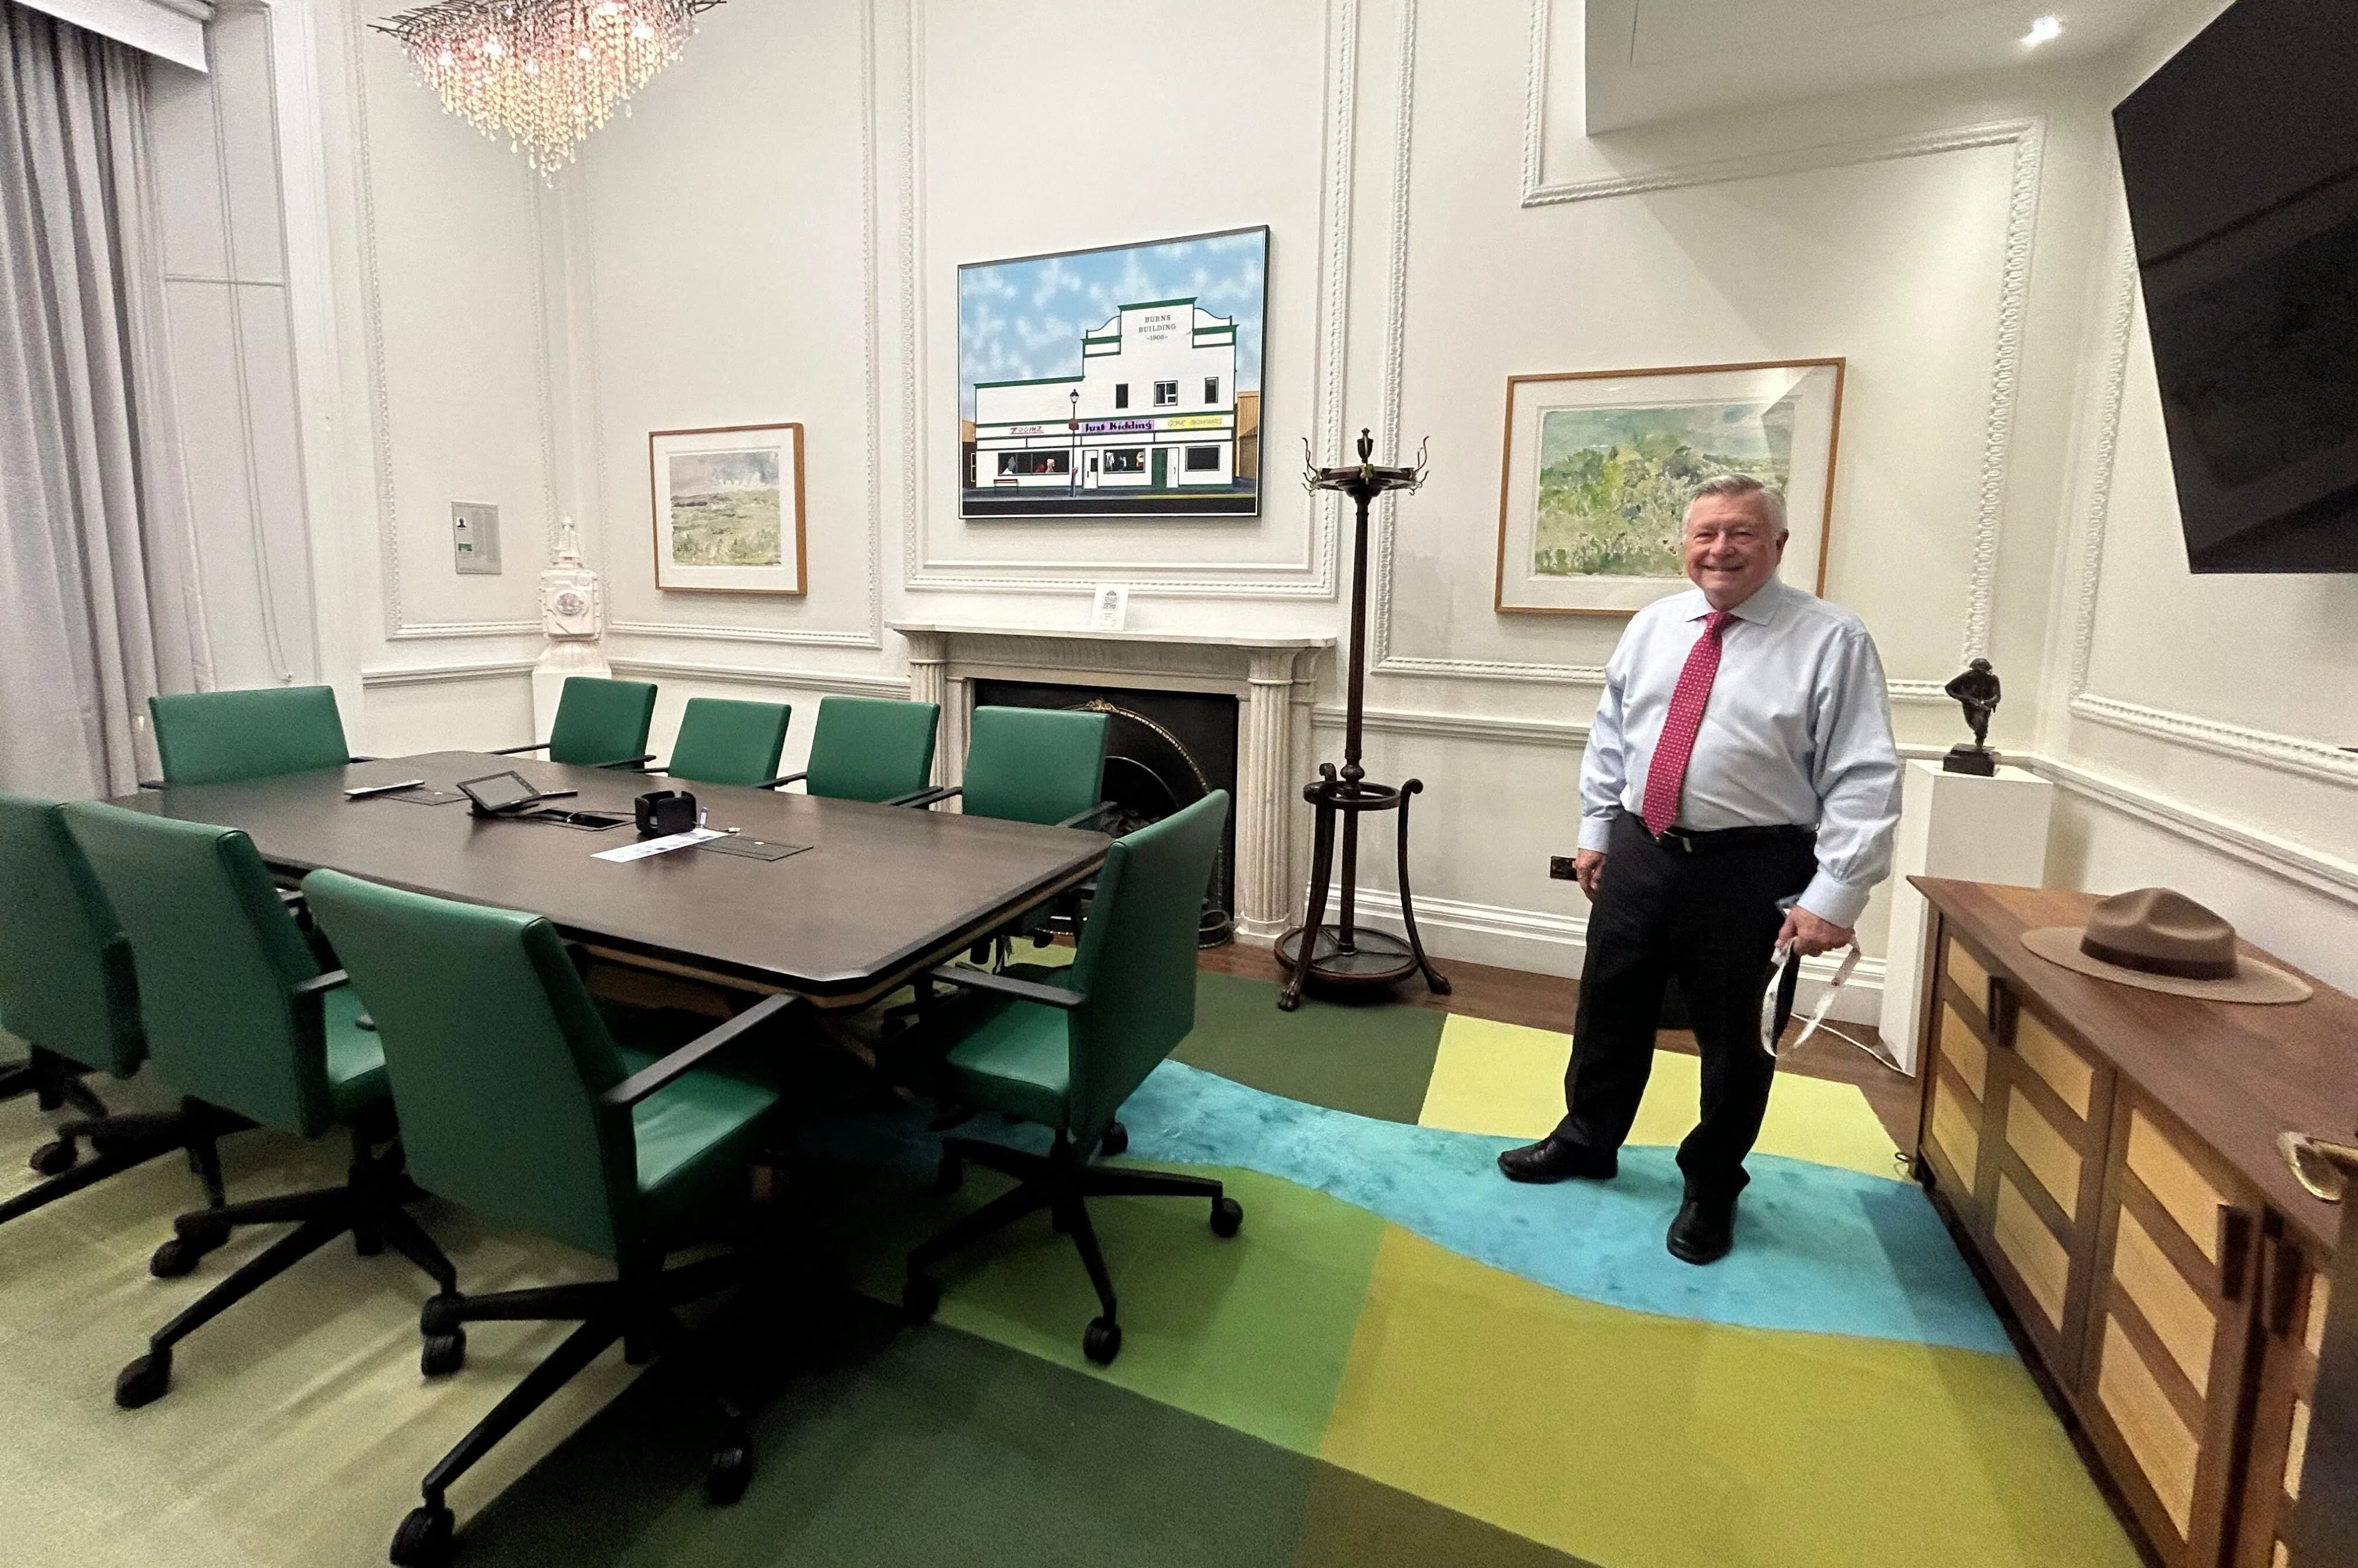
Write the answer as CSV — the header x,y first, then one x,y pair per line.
x,y
1744,487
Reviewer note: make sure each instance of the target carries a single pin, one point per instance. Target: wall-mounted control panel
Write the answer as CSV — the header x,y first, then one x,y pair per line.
x,y
475,537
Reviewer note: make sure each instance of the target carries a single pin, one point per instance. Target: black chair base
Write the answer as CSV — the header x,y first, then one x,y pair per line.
x,y
1062,1181
119,1142
54,1082
369,1207
636,1308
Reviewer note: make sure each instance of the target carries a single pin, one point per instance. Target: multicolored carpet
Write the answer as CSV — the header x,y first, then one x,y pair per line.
x,y
1401,1358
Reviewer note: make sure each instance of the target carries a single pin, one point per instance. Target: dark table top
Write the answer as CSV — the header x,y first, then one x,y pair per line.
x,y
2235,1074
882,890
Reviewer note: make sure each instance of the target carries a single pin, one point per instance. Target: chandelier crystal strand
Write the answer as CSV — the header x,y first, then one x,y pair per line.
x,y
543,73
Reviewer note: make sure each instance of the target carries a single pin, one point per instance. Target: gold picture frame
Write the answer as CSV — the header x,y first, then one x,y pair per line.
x,y
1577,443
723,500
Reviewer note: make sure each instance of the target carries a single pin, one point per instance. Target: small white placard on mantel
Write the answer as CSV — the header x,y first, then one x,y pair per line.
x,y
1108,606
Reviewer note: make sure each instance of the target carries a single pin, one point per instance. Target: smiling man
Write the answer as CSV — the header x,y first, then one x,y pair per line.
x,y
1739,791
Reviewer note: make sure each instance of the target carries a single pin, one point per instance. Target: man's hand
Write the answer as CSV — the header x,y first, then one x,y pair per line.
x,y
1587,865
1809,935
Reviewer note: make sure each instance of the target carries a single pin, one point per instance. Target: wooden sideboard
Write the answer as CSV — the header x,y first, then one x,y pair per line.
x,y
2109,1153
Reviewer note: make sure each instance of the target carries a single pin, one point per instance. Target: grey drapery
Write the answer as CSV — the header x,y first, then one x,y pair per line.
x,y
99,605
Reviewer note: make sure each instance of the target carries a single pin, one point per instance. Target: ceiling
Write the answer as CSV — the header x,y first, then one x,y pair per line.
x,y
1652,61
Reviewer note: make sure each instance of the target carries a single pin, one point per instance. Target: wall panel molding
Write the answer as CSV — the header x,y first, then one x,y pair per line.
x,y
847,683
384,675
1315,577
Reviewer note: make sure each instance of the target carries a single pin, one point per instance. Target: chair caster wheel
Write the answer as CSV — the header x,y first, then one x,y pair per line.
x,y
726,1478
1102,1341
1227,1216
443,1353
144,1382
424,1538
1113,1141
193,1237
921,1298
55,1159
949,1175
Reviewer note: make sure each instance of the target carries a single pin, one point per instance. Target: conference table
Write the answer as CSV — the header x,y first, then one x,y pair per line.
x,y
873,895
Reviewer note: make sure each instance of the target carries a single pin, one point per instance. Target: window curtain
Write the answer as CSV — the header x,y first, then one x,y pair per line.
x,y
100,604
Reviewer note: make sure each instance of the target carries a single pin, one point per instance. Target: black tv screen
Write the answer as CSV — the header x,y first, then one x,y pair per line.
x,y
2241,160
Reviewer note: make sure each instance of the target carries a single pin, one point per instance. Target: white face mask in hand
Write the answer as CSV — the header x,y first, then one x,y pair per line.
x,y
1777,1000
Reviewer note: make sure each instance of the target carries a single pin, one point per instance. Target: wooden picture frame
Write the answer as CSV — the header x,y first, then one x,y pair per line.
x,y
1560,478
723,500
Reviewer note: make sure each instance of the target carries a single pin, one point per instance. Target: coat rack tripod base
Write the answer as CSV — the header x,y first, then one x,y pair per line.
x,y
1348,954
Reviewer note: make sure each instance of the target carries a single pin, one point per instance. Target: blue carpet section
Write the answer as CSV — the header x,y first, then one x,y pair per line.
x,y
1818,1249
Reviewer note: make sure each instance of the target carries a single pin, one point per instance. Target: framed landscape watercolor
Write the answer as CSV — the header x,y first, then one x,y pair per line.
x,y
1600,467
1119,382
728,509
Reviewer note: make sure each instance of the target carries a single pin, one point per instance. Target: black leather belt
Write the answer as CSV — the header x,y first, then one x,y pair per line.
x,y
1681,841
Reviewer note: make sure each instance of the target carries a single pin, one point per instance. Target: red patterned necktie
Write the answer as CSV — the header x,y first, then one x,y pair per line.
x,y
1667,773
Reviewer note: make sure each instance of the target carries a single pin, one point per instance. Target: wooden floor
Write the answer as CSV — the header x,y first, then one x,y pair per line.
x,y
1545,1002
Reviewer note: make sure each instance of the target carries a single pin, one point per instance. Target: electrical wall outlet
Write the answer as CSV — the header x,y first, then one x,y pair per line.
x,y
475,537
1560,867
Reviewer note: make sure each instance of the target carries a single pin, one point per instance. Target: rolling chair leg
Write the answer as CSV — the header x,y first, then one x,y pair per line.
x,y
118,1143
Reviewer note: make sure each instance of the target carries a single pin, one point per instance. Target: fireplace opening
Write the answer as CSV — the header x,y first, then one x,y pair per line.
x,y
1164,750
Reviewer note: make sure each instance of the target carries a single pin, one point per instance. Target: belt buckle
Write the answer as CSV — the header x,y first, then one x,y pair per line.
x,y
1676,841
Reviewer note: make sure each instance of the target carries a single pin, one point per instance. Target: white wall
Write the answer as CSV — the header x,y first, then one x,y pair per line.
x,y
773,234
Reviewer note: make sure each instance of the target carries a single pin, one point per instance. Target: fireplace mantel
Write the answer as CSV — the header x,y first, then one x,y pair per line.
x,y
1273,678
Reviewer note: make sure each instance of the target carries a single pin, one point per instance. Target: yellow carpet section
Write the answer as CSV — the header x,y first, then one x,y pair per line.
x,y
1507,1080
1643,1442
297,1425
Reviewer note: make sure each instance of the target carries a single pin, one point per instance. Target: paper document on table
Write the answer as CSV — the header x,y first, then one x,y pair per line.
x,y
662,845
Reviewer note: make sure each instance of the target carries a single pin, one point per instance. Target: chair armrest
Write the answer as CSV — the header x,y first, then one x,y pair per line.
x,y
782,781
1007,985
1101,809
926,797
639,762
334,979
657,1074
517,751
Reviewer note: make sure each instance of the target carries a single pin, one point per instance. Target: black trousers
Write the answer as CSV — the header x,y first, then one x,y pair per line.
x,y
1710,918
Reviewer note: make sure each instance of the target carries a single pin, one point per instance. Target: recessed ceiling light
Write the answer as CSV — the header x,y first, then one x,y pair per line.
x,y
2044,29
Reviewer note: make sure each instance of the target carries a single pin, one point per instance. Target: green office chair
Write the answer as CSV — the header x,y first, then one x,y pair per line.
x,y
238,1014
1031,764
1066,1047
517,1102
872,749
220,737
66,989
600,724
726,742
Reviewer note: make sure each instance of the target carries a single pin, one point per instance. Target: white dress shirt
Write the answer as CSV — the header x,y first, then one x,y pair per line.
x,y
1798,730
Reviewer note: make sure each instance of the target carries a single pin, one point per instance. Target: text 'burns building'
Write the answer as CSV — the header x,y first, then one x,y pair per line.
x,y
1153,410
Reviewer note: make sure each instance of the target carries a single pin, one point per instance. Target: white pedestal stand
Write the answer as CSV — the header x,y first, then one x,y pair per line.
x,y
1953,825
570,614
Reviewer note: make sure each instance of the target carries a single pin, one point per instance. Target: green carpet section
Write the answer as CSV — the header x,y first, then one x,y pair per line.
x,y
886,1445
1254,1333
1367,1058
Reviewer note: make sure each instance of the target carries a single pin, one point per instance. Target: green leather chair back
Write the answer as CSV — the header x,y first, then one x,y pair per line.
x,y
1136,959
496,1056
65,965
600,721
219,957
1034,764
219,737
726,742
872,748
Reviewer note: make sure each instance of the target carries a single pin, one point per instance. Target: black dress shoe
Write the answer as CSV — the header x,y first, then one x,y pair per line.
x,y
1703,1231
1552,1159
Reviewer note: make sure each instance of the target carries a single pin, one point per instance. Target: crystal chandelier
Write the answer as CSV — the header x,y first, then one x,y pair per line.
x,y
543,73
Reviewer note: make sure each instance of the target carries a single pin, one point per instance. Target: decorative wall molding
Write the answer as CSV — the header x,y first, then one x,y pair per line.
x,y
2285,753
2330,875
2108,432
847,683
388,676
1315,577
397,627
1550,732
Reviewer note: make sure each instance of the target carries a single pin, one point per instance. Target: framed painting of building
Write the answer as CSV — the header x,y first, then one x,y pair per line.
x,y
727,506
1600,465
1119,382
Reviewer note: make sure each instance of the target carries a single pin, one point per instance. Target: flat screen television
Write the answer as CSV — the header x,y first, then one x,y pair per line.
x,y
2241,160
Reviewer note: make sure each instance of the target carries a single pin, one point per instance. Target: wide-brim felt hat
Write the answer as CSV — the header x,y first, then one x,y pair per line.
x,y
2163,941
